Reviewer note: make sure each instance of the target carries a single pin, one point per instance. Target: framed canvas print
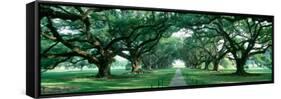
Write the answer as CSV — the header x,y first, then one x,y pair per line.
x,y
83,49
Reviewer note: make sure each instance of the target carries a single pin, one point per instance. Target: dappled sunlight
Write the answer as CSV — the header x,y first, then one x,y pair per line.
x,y
58,89
82,80
201,77
182,33
116,82
53,84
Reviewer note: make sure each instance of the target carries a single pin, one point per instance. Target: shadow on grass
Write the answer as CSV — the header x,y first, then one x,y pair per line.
x,y
119,80
242,75
203,77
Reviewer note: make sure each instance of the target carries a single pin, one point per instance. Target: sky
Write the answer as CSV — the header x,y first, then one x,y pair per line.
x,y
183,33
178,64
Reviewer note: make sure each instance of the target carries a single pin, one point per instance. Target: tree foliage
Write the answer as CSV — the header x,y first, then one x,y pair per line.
x,y
84,36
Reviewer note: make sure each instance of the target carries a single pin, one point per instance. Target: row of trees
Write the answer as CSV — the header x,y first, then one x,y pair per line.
x,y
237,38
96,36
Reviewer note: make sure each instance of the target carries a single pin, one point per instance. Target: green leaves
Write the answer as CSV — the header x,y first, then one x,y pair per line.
x,y
98,35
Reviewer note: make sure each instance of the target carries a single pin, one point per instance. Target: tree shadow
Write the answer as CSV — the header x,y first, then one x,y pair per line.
x,y
240,75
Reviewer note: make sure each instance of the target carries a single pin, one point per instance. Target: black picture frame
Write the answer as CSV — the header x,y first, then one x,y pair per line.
x,y
33,48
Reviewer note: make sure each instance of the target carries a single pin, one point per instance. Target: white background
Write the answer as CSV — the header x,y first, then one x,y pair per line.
x,y
12,49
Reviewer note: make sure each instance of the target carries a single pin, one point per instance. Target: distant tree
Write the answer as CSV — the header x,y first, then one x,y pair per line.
x,y
212,44
263,60
149,30
204,43
191,54
163,54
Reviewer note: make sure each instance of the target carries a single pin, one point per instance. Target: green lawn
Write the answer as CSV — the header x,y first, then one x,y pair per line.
x,y
84,81
204,77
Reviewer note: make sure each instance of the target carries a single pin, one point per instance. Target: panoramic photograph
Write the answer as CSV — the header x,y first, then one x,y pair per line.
x,y
94,49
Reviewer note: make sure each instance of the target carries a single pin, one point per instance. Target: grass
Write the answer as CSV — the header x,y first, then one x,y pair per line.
x,y
204,77
84,81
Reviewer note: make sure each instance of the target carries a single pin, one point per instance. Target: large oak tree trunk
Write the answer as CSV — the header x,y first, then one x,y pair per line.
x,y
136,68
104,71
216,65
240,67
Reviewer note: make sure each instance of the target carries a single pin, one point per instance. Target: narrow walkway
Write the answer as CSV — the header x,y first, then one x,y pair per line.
x,y
178,79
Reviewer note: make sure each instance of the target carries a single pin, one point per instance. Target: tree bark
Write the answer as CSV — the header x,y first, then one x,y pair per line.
x,y
104,71
136,68
216,65
240,67
206,65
